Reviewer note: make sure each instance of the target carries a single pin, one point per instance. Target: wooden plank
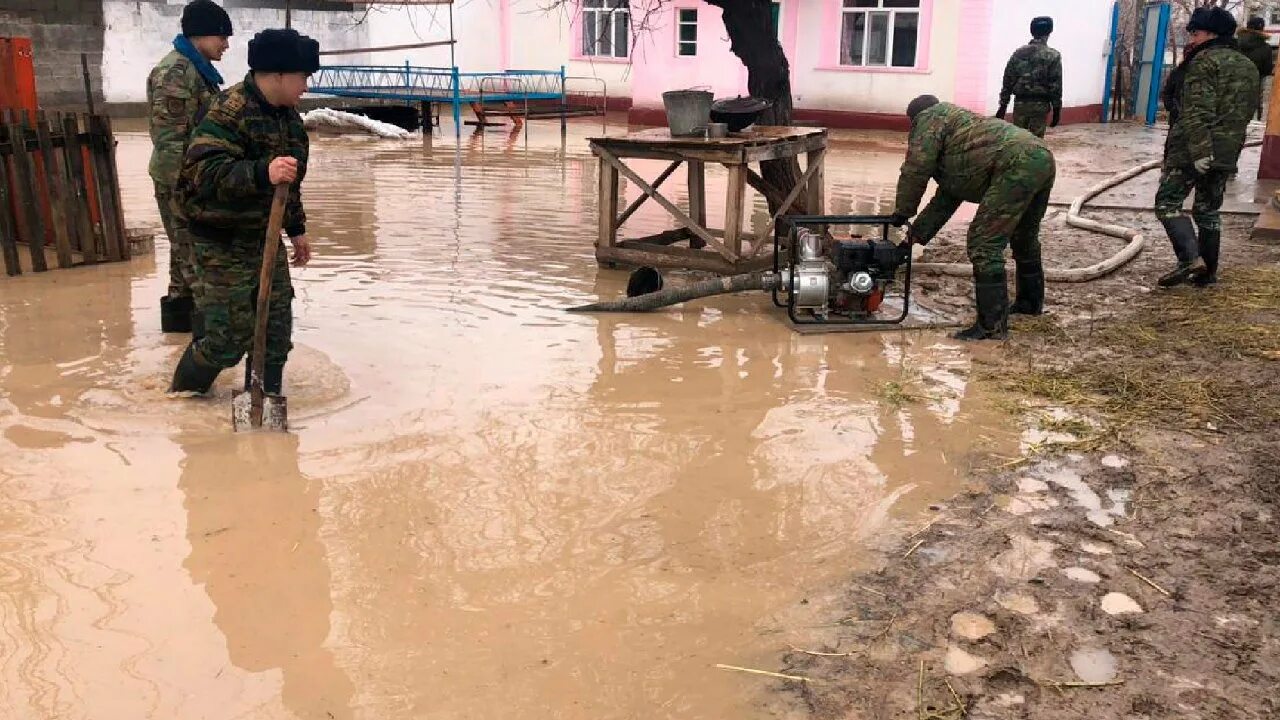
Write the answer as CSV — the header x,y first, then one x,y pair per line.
x,y
77,192
113,238
733,209
667,237
54,184
104,124
78,196
8,227
816,193
719,156
787,149
787,202
633,207
676,212
608,202
25,186
697,197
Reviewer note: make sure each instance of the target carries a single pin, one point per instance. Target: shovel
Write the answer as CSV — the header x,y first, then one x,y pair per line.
x,y
256,409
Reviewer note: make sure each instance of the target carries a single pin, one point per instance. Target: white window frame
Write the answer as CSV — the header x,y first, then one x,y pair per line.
x,y
879,9
681,23
610,13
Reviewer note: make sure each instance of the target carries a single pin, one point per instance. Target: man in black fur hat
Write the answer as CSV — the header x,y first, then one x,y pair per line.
x,y
251,140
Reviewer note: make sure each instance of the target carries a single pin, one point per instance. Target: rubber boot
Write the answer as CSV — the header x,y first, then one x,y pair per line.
x,y
992,295
272,378
1210,245
194,373
175,314
1182,234
1030,297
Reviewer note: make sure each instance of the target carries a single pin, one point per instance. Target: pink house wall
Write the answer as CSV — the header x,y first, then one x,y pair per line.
x,y
972,56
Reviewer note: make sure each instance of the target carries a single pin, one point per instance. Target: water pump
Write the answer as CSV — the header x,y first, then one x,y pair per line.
x,y
821,279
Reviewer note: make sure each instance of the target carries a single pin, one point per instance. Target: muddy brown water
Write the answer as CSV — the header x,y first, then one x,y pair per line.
x,y
488,508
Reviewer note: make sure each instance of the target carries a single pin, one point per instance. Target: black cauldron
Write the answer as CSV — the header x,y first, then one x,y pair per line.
x,y
738,113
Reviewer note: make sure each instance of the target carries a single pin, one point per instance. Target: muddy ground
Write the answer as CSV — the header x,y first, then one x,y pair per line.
x,y
1126,564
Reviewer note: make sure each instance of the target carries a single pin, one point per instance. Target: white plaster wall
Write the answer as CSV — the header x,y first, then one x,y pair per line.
x,y
544,40
475,26
874,92
138,34
1081,34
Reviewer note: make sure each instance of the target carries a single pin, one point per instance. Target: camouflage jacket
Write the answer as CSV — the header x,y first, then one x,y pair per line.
x,y
1212,95
1256,46
176,92
1034,72
223,189
959,149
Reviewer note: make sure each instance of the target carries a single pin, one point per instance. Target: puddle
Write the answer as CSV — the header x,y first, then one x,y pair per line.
x,y
488,508
1093,665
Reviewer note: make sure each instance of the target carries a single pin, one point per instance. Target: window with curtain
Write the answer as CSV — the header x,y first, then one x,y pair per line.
x,y
879,33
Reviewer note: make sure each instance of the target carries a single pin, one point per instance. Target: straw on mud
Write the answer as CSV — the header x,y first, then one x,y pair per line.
x,y
913,549
1148,581
956,695
1061,685
819,653
754,671
926,527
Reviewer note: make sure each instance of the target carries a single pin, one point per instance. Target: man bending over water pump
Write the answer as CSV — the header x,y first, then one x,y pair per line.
x,y
1006,170
251,140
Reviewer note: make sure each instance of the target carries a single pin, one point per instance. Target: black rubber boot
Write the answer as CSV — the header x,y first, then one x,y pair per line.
x,y
1210,246
992,295
175,314
1030,297
272,378
1182,234
194,373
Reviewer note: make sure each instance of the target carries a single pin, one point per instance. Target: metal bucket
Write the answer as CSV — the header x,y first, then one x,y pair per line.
x,y
688,111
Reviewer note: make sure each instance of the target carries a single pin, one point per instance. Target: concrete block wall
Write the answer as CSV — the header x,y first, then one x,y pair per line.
x,y
59,30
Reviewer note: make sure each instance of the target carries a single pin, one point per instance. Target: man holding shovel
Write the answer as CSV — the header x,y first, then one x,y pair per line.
x,y
251,141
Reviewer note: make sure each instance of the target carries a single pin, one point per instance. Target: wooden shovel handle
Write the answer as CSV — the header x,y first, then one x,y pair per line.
x,y
270,249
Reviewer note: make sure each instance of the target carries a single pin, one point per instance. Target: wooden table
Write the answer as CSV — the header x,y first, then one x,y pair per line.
x,y
727,250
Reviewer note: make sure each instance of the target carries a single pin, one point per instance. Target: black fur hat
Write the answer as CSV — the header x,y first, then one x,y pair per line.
x,y
205,17
1256,23
920,104
1041,26
1214,20
283,51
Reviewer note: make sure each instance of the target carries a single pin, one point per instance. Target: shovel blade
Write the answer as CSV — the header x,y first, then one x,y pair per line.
x,y
275,412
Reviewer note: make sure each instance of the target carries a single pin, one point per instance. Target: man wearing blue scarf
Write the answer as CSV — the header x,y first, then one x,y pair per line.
x,y
180,88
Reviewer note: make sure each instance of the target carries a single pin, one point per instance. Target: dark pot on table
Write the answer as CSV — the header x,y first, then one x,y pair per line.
x,y
738,113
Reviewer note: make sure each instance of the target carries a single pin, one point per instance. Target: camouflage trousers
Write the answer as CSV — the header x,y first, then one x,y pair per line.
x,y
1011,210
1177,183
1032,116
182,273
228,298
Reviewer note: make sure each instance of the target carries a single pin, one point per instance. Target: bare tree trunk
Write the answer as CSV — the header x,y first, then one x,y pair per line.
x,y
749,24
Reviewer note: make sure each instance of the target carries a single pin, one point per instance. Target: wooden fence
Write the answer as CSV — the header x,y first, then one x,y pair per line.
x,y
59,190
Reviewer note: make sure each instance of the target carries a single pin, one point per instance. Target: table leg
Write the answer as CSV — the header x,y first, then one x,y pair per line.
x,y
816,197
608,202
733,208
697,199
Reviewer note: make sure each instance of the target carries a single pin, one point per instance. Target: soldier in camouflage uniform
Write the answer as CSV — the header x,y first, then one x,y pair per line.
x,y
179,88
251,140
1034,76
1210,97
1009,173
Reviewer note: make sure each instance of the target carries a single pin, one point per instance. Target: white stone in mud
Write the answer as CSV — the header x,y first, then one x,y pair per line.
x,y
1083,575
959,662
1021,604
1120,604
1115,462
1031,485
971,626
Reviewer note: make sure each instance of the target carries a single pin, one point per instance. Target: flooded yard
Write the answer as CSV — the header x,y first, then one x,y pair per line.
x,y
487,508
